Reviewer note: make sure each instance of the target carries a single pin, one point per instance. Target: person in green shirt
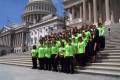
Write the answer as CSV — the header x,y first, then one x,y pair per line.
x,y
34,57
81,51
54,55
74,45
101,36
61,56
48,53
69,55
41,57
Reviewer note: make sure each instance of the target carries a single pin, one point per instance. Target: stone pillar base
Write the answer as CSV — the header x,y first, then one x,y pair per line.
x,y
108,22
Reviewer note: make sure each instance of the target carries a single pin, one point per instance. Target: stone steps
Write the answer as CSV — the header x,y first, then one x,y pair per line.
x,y
105,68
107,64
14,57
109,60
28,60
99,72
108,57
17,64
110,51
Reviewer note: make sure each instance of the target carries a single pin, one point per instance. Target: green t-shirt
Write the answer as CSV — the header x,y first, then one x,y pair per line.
x,y
61,51
81,47
48,52
88,34
101,31
68,50
41,52
85,40
58,44
74,46
77,37
54,50
34,53
64,41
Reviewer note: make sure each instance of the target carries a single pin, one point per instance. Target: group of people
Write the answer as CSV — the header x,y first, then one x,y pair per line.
x,y
64,50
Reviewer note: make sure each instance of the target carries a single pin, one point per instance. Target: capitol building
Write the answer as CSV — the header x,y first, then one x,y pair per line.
x,y
39,19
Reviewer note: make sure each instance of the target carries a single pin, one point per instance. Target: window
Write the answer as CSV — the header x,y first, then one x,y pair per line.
x,y
31,33
35,32
35,40
31,40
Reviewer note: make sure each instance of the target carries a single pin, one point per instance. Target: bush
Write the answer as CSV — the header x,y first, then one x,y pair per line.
x,y
3,52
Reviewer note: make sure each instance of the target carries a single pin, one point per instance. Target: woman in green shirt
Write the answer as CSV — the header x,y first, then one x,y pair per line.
x,y
41,57
34,57
54,55
48,53
81,51
69,54
61,56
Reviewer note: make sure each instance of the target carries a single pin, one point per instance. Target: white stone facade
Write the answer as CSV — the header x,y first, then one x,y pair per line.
x,y
43,28
93,11
21,37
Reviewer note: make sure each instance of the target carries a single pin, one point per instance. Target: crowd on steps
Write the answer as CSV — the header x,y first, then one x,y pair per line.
x,y
70,48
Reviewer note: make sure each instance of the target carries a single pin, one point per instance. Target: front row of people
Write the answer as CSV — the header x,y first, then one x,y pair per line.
x,y
66,52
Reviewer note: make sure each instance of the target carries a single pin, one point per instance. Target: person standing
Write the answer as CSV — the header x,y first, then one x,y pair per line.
x,y
41,57
48,56
61,57
101,35
69,55
54,56
34,57
81,51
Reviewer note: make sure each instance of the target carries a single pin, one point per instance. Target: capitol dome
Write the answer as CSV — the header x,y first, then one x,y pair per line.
x,y
36,9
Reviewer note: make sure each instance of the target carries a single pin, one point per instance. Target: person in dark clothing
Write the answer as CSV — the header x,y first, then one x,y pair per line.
x,y
96,37
95,42
90,50
34,57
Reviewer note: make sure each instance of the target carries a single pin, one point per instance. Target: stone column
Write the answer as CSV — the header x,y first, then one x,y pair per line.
x,y
80,11
73,12
107,7
112,17
84,9
16,40
7,40
90,16
22,39
34,20
95,11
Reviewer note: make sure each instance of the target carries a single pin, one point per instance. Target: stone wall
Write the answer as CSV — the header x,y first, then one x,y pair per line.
x,y
7,49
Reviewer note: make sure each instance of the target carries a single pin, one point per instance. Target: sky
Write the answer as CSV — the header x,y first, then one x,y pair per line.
x,y
12,10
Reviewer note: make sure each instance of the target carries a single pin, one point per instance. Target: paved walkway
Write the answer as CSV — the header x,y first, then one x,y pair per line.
x,y
8,72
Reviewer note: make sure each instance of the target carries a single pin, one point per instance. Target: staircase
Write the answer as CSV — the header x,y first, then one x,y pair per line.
x,y
108,61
